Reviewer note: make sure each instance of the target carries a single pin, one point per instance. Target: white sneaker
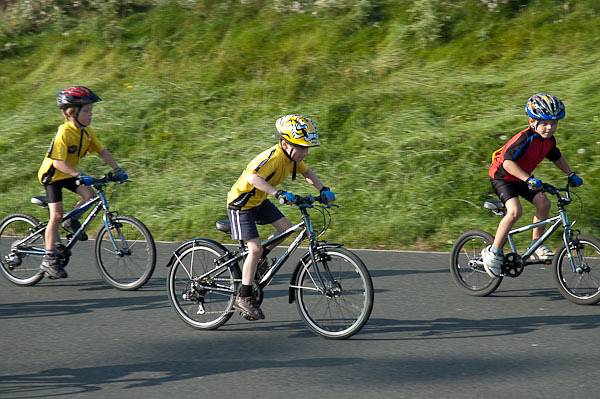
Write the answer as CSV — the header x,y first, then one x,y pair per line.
x,y
492,263
542,253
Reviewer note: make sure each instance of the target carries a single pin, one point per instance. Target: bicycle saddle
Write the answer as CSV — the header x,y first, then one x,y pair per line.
x,y
40,200
495,206
223,225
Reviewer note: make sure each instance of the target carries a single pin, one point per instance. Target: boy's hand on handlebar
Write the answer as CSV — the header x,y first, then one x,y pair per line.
x,y
574,180
85,180
534,183
327,195
120,175
285,197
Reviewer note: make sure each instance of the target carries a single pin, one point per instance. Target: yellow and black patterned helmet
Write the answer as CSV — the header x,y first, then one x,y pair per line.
x,y
298,130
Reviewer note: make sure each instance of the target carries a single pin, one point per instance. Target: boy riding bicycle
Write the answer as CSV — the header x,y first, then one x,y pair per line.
x,y
247,201
511,174
72,142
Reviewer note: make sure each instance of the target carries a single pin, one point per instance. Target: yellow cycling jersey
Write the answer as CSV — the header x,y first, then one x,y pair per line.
x,y
274,166
70,144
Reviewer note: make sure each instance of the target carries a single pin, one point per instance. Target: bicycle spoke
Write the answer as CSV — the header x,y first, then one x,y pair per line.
x,y
341,307
126,255
201,293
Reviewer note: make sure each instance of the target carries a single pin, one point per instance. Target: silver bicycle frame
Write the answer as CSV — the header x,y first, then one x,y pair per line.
x,y
556,221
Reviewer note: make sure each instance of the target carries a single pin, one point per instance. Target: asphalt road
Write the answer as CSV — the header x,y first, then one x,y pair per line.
x,y
78,338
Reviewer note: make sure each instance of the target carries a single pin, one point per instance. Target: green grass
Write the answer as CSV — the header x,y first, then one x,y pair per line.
x,y
407,126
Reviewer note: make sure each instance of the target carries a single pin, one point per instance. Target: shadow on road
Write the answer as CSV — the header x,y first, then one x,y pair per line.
x,y
458,328
61,381
78,306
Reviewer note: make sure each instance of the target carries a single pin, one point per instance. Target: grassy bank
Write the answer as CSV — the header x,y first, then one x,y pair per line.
x,y
411,98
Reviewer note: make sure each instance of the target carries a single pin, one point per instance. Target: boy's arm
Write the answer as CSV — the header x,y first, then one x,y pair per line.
x,y
261,184
313,179
64,167
562,164
514,169
108,158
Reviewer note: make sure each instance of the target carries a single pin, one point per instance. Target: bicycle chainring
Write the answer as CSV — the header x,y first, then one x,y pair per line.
x,y
513,265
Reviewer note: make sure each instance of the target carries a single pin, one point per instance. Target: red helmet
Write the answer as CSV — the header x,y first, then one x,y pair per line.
x,y
76,96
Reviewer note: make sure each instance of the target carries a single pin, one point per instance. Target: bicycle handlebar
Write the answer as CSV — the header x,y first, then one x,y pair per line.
x,y
549,188
107,178
308,201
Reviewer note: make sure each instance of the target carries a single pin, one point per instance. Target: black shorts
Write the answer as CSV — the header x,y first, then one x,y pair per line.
x,y
510,189
243,222
54,190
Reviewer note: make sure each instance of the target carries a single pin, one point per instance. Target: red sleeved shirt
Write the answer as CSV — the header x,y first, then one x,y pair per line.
x,y
527,149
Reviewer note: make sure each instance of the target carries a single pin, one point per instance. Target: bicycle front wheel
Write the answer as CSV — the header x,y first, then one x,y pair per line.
x,y
466,264
125,253
578,276
341,307
201,292
20,261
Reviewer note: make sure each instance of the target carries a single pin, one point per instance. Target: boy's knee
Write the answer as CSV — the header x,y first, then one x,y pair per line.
x,y
514,214
254,247
544,205
56,217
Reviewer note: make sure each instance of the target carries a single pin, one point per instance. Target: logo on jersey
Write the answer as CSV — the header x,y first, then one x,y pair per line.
x,y
72,149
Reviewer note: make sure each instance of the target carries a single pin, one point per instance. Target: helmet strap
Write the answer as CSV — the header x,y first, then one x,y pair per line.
x,y
290,158
77,118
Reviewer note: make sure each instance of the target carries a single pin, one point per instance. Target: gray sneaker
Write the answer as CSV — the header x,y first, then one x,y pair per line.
x,y
52,267
247,306
542,253
492,263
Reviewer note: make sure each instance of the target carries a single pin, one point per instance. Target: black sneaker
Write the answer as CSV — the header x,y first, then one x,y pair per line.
x,y
72,225
247,306
51,265
261,315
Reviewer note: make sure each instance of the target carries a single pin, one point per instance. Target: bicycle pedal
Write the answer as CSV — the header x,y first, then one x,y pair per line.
x,y
247,316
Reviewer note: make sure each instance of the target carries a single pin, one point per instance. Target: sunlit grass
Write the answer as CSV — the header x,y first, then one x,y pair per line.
x,y
191,95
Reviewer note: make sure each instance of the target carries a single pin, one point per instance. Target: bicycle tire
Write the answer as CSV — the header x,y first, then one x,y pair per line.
x,y
343,311
466,266
195,258
583,286
18,268
130,265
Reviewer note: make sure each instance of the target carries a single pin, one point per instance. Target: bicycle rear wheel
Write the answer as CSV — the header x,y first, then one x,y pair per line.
x,y
20,264
200,292
341,308
125,253
581,286
466,265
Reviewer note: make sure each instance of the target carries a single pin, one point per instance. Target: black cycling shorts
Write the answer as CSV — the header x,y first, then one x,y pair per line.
x,y
243,222
510,189
54,190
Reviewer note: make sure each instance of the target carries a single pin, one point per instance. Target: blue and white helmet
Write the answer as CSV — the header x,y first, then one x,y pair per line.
x,y
545,107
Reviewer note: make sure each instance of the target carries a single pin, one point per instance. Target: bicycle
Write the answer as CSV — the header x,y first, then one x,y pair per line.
x,y
331,285
576,263
125,251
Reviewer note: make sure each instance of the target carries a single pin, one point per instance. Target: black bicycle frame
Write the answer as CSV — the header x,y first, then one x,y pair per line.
x,y
99,201
306,228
